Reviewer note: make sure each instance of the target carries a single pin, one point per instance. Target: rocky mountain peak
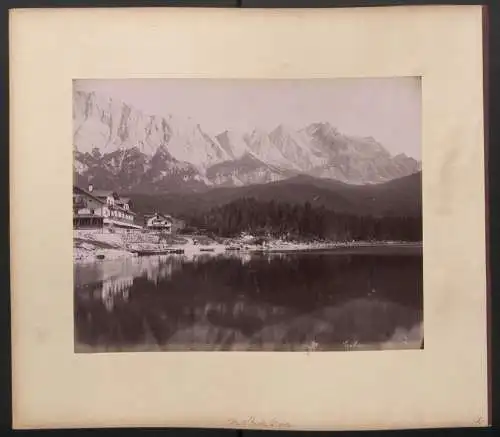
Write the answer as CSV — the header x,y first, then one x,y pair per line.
x,y
166,147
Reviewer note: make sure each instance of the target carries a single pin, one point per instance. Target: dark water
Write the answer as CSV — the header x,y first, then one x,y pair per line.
x,y
300,301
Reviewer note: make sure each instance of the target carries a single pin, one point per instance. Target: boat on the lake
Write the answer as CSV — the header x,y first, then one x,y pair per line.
x,y
152,252
176,251
159,252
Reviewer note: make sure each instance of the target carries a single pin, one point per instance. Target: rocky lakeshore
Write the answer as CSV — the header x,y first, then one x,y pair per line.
x,y
95,245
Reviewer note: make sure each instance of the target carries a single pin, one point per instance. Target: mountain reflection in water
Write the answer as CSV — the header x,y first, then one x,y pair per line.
x,y
300,301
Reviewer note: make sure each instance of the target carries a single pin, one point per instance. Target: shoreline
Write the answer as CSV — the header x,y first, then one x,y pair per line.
x,y
307,247
91,246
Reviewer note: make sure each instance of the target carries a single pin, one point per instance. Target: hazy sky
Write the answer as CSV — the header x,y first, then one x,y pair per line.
x,y
388,110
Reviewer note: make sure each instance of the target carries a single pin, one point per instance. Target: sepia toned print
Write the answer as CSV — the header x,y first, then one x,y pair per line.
x,y
182,389
247,215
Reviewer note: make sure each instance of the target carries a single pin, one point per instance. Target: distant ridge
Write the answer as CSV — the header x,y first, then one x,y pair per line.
x,y
399,197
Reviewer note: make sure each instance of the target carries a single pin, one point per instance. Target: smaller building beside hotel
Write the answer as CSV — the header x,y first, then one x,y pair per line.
x,y
158,222
162,222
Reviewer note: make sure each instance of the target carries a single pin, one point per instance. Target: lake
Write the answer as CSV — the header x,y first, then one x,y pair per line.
x,y
326,300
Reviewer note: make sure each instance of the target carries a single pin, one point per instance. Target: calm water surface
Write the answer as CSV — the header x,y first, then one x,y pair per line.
x,y
357,299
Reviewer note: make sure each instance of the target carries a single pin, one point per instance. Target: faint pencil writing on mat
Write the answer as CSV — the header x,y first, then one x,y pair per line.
x,y
252,421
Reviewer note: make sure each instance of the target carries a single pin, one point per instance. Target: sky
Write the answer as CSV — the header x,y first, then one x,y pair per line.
x,y
387,109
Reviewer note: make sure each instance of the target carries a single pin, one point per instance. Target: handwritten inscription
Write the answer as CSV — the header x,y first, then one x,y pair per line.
x,y
350,345
253,422
312,347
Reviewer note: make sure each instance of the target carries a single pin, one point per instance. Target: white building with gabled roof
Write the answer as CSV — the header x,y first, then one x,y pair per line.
x,y
102,208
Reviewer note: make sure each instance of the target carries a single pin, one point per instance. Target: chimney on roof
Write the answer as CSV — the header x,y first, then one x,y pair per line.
x,y
91,188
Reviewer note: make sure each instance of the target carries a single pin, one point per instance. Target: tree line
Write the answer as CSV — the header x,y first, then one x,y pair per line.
x,y
302,221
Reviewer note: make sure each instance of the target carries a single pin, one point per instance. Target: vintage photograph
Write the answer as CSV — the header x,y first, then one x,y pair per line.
x,y
247,215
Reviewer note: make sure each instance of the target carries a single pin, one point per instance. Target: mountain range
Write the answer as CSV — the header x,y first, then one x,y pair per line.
x,y
400,197
117,146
